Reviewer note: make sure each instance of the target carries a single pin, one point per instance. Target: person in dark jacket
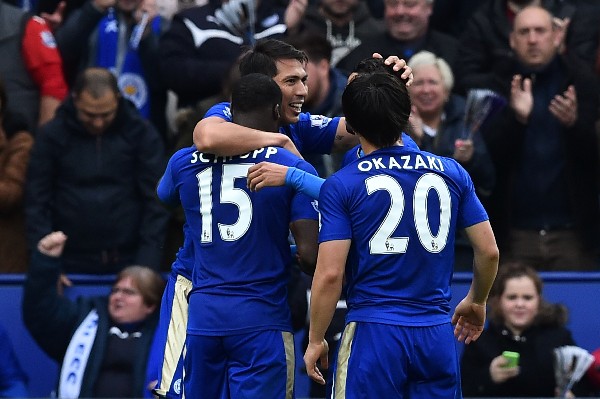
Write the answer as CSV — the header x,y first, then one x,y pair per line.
x,y
203,42
520,321
102,343
92,174
344,23
407,32
544,208
485,52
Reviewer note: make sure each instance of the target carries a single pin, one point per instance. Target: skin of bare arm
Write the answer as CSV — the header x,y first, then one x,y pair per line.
x,y
469,315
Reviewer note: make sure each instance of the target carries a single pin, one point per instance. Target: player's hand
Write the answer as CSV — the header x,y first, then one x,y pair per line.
x,y
52,244
398,64
316,351
499,372
468,318
266,174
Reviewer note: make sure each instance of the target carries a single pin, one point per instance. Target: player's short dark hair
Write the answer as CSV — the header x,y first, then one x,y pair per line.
x,y
253,92
96,81
372,65
315,45
377,106
263,57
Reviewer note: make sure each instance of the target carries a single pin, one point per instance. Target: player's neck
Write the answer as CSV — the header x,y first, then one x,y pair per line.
x,y
366,146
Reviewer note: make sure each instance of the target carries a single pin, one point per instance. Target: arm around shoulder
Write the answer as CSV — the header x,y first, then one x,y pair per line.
x,y
215,135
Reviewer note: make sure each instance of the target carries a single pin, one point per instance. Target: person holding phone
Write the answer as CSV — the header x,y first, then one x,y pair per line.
x,y
521,321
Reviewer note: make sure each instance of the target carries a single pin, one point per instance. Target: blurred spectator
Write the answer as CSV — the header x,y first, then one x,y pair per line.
x,y
325,87
451,16
521,321
30,66
13,380
485,53
120,35
102,343
344,23
437,119
407,32
544,209
92,174
204,42
15,146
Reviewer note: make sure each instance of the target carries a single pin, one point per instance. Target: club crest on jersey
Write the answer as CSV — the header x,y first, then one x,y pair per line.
x,y
319,121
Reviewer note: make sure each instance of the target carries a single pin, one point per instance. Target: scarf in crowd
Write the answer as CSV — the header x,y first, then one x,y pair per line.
x,y
121,56
76,357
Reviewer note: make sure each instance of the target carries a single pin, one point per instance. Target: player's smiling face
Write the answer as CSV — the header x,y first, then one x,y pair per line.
x,y
291,78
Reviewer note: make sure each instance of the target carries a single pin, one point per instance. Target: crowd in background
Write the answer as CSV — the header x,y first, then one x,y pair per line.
x,y
85,161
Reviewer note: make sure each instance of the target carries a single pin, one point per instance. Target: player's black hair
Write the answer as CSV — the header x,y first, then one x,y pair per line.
x,y
377,106
256,102
263,57
372,65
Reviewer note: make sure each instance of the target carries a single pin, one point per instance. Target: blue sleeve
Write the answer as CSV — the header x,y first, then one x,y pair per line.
x,y
304,206
470,209
335,217
166,190
220,110
304,182
314,134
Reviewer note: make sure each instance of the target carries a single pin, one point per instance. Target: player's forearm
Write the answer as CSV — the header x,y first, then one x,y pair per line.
x,y
304,182
485,264
325,293
343,140
327,286
228,139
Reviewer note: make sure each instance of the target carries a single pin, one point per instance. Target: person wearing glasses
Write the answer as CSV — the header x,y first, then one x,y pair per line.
x,y
101,343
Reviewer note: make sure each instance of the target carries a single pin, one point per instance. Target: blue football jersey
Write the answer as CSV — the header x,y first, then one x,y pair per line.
x,y
400,207
356,152
312,134
241,249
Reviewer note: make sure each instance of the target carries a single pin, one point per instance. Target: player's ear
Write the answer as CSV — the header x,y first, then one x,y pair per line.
x,y
276,112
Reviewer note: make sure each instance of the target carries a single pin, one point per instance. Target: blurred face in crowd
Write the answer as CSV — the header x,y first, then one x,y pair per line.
x,y
126,303
428,92
318,75
407,19
128,6
291,78
519,303
338,8
96,114
533,38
